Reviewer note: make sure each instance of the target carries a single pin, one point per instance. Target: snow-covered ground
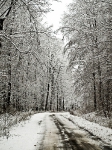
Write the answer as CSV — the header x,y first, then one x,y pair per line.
x,y
7,120
98,118
29,134
26,135
103,133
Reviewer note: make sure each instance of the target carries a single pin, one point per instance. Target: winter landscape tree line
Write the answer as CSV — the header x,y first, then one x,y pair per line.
x,y
33,76
87,26
31,73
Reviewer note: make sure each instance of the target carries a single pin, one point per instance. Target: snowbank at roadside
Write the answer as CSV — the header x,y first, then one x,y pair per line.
x,y
7,120
26,135
102,132
96,118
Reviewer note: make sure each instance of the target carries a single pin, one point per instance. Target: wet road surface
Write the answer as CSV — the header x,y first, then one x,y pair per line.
x,y
63,134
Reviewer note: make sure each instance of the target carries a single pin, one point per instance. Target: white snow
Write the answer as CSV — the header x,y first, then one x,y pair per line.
x,y
26,135
103,133
96,118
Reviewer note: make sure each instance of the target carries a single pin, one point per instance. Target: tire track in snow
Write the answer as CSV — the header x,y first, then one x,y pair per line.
x,y
76,138
103,145
52,139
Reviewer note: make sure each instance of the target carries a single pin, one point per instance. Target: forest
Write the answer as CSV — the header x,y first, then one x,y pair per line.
x,y
31,72
88,27
34,75
55,91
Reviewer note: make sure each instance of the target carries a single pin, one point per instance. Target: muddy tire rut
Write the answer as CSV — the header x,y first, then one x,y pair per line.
x,y
52,139
102,145
62,134
73,140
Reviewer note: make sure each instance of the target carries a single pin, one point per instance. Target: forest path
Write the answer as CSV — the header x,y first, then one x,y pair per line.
x,y
52,138
50,131
62,134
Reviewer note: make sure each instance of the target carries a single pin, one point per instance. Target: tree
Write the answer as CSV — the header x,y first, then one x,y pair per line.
x,y
86,26
22,53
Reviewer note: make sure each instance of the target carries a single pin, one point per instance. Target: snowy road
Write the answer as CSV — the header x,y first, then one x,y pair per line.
x,y
50,131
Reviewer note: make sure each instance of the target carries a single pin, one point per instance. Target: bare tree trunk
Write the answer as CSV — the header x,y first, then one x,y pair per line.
x,y
57,102
63,104
9,77
94,86
52,90
47,97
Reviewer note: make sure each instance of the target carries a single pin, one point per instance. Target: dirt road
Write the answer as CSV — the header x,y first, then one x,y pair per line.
x,y
63,134
51,131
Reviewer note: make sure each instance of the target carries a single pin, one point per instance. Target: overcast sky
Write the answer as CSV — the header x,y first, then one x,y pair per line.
x,y
53,18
